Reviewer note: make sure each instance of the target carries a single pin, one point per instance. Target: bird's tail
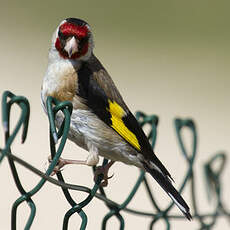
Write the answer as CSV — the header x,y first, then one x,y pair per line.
x,y
166,184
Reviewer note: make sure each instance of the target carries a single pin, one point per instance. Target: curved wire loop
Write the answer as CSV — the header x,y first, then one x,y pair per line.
x,y
8,100
115,210
66,108
58,139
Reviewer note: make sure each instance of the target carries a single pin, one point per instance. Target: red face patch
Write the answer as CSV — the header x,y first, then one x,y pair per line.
x,y
65,55
69,29
80,32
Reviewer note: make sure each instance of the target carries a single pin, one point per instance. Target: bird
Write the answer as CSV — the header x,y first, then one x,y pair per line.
x,y
101,122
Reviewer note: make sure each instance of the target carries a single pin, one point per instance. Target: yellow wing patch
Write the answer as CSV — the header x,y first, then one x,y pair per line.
x,y
117,113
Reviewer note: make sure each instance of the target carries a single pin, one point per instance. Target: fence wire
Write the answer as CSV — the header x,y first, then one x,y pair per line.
x,y
213,174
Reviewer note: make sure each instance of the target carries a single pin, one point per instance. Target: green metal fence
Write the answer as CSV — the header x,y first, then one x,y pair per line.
x,y
213,175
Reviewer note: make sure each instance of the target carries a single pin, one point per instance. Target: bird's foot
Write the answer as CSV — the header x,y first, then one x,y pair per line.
x,y
62,162
103,170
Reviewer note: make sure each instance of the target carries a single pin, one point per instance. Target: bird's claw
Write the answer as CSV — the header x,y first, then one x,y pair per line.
x,y
59,167
102,170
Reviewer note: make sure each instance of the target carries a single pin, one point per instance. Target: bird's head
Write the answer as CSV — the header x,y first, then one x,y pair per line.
x,y
73,39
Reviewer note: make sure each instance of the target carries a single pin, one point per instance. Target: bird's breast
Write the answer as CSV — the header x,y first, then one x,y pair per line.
x,y
66,85
61,82
66,89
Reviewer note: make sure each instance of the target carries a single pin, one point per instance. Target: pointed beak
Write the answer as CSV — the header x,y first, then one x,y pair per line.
x,y
71,46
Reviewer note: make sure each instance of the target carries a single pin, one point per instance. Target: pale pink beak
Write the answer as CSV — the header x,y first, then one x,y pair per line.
x,y
71,46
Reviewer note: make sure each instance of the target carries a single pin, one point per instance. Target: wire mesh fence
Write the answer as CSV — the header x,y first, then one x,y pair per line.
x,y
213,174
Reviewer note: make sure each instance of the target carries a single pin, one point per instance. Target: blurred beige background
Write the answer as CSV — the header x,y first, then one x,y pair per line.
x,y
170,58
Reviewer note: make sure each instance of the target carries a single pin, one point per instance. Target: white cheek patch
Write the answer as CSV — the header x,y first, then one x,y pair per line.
x,y
88,27
62,22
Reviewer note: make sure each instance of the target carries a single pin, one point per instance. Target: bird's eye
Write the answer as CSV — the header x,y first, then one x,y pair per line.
x,y
61,35
83,41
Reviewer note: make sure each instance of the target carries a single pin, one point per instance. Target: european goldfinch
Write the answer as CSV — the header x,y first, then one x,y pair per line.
x,y
101,122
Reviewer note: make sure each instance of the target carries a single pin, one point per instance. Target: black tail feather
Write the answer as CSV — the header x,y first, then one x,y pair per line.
x,y
166,184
